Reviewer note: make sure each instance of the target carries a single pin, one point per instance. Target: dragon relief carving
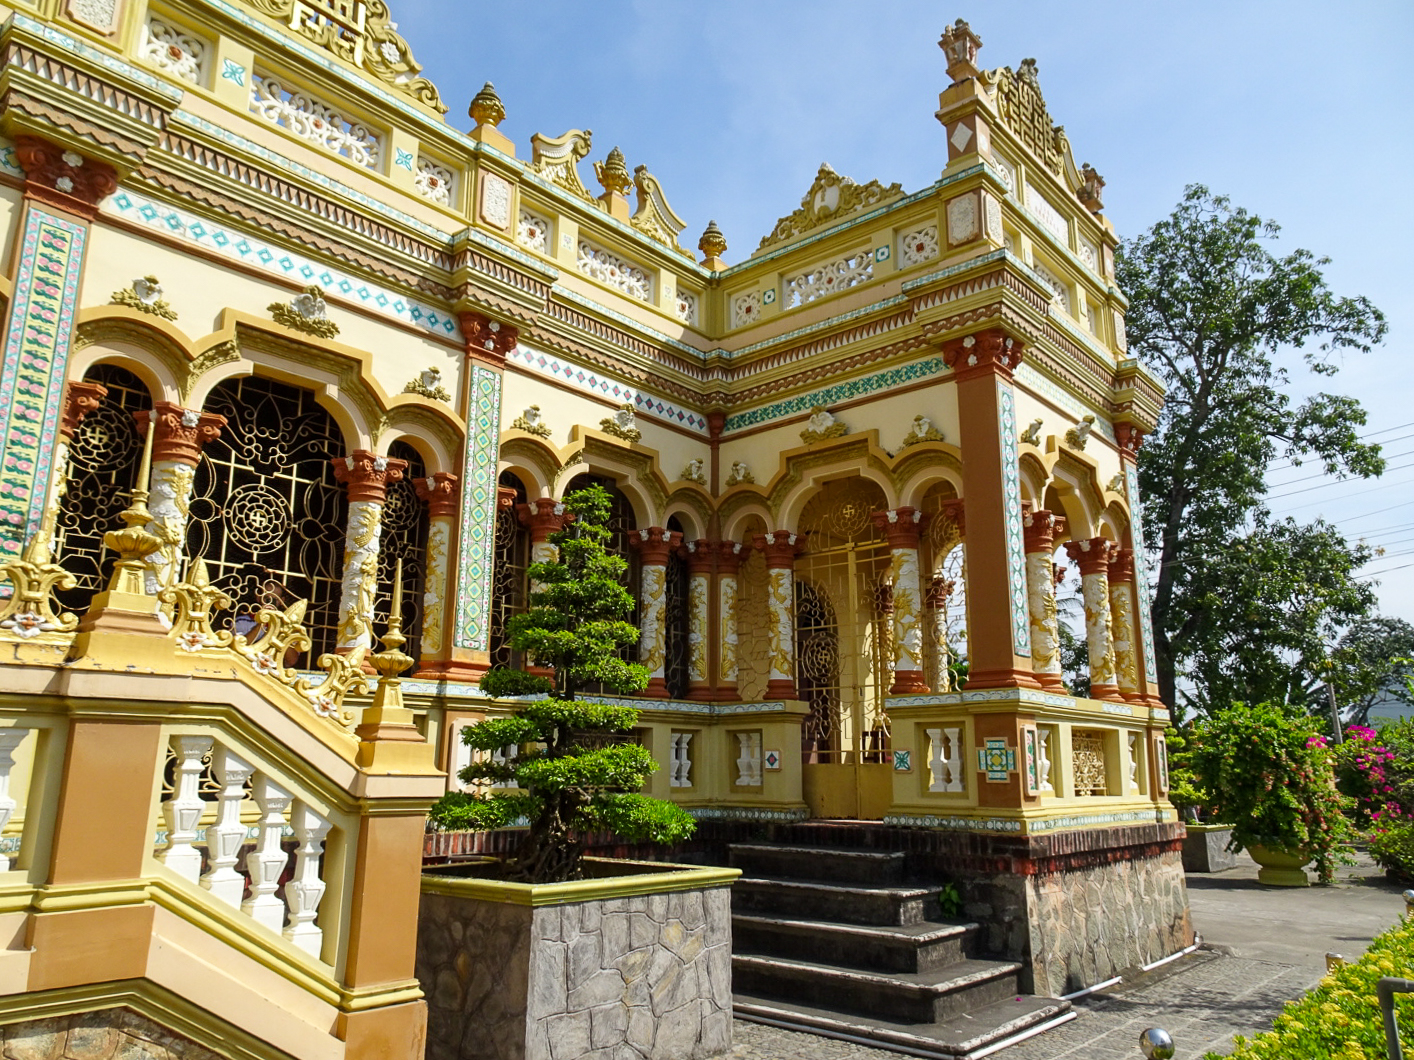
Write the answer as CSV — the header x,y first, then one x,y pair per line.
x,y
830,198
361,32
556,158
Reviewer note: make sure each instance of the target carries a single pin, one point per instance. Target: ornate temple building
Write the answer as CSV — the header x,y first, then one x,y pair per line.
x,y
296,372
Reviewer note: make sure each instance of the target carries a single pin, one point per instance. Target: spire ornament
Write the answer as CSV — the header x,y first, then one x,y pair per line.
x,y
713,245
960,45
486,107
613,175
134,543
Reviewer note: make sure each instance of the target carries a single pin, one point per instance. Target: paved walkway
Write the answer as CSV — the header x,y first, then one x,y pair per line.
x,y
1262,948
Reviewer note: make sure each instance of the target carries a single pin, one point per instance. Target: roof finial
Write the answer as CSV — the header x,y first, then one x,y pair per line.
x,y
487,108
713,245
613,173
960,45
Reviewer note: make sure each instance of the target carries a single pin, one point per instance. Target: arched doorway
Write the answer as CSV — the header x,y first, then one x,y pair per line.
x,y
843,624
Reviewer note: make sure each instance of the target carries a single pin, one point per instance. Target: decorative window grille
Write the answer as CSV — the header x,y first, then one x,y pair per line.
x,y
675,622
1089,253
829,277
403,536
918,246
1092,319
1087,755
314,120
680,765
608,268
266,513
687,306
1006,171
103,464
174,51
746,309
945,760
533,231
1048,215
510,585
1060,290
434,181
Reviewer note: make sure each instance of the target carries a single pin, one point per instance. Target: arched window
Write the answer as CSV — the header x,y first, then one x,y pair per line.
x,y
510,586
944,568
267,515
675,621
103,466
404,536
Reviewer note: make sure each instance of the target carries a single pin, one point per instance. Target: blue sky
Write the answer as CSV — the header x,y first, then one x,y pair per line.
x,y
1296,110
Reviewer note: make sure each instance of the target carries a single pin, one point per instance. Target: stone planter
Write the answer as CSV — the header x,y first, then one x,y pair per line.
x,y
1278,868
1205,848
635,962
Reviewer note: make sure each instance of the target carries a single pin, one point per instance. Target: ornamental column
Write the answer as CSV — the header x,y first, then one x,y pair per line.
x,y
1122,607
62,191
935,604
1041,528
176,450
366,476
998,623
781,547
699,556
1092,555
1130,439
439,491
902,528
728,565
654,545
542,518
80,399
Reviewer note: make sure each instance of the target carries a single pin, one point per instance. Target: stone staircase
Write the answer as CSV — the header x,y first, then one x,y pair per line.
x,y
840,943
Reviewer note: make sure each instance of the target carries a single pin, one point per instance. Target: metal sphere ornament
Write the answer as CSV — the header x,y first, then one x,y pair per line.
x,y
1156,1044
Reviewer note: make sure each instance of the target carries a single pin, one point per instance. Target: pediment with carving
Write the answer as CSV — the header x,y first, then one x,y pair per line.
x,y
832,197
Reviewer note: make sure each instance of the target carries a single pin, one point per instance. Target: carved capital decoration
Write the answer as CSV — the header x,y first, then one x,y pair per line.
x,y
1092,555
655,544
729,556
439,492
902,527
542,517
486,339
80,399
1130,438
781,547
64,178
1122,565
987,351
939,591
367,476
181,433
699,555
1040,529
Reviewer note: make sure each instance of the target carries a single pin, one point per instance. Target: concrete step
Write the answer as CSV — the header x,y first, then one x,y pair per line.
x,y
829,864
922,947
905,997
896,906
958,1038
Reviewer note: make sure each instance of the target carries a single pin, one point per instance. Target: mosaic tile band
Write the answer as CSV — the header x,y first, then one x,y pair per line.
x,y
1141,572
830,395
592,382
475,555
32,374
1011,501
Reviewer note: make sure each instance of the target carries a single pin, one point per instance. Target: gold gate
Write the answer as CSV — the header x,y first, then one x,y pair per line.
x,y
844,652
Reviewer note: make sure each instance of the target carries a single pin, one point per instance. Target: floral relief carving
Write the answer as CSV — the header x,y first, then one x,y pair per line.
x,y
429,385
830,198
828,277
434,182
962,219
532,231
314,120
144,295
746,309
174,51
608,268
739,474
622,424
1047,214
100,14
531,422
496,201
686,306
653,216
918,245
307,312
556,159
822,424
922,430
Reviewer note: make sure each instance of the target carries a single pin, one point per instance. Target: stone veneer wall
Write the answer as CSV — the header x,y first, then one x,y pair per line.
x,y
109,1034
615,979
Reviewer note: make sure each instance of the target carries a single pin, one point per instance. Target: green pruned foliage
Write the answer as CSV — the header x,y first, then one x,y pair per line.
x,y
1340,1019
576,772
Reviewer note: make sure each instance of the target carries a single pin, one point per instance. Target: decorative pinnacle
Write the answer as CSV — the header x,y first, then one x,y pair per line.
x,y
960,45
712,244
134,543
613,173
487,108
391,661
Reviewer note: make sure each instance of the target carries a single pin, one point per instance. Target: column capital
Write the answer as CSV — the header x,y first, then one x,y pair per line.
x,y
1040,529
181,433
985,352
939,591
367,476
1091,554
542,517
440,492
1121,567
80,399
901,526
729,556
487,340
654,544
781,547
63,178
956,511
700,555
1129,439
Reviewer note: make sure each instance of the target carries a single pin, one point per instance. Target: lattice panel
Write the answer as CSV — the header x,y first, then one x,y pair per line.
x,y
404,536
1087,755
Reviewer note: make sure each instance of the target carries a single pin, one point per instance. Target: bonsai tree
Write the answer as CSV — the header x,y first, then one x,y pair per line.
x,y
575,773
1266,769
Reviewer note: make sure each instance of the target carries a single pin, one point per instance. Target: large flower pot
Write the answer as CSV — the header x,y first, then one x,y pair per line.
x,y
633,962
1278,868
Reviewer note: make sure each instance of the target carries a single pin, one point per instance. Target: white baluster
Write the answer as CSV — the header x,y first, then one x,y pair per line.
x,y
756,759
1134,761
675,760
1043,751
225,838
306,889
743,759
10,740
937,760
267,861
956,775
183,810
686,761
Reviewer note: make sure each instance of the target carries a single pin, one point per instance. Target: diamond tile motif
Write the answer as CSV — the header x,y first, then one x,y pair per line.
x,y
996,759
589,381
475,557
869,384
402,158
771,760
903,761
1011,501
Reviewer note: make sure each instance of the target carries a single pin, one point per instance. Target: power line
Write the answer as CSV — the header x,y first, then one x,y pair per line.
x,y
1377,573
1324,485
1327,474
1361,493
1377,511
1369,434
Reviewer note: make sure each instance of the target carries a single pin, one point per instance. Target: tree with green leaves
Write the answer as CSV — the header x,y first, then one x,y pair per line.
x,y
1223,320
1373,663
572,770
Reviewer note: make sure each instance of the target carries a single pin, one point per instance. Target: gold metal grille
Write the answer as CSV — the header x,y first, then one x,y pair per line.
x,y
404,536
510,587
1087,755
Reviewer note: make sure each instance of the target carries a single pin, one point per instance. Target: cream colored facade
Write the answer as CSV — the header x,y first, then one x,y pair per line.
x,y
355,335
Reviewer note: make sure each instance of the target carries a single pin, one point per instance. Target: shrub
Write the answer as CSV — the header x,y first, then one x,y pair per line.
x,y
1268,773
1392,847
1340,1019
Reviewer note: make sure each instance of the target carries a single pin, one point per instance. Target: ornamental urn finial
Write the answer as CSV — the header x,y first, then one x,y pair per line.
x,y
613,173
1092,188
487,108
713,245
960,45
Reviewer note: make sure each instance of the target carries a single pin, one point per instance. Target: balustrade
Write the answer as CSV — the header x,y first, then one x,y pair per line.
x,y
10,740
945,760
748,762
680,762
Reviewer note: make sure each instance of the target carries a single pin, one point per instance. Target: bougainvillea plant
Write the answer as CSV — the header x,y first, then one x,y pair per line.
x,y
1268,772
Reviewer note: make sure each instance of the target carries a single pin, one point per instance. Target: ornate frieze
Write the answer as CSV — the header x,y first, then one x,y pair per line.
x,y
434,182
314,120
829,277
831,198
616,272
175,50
